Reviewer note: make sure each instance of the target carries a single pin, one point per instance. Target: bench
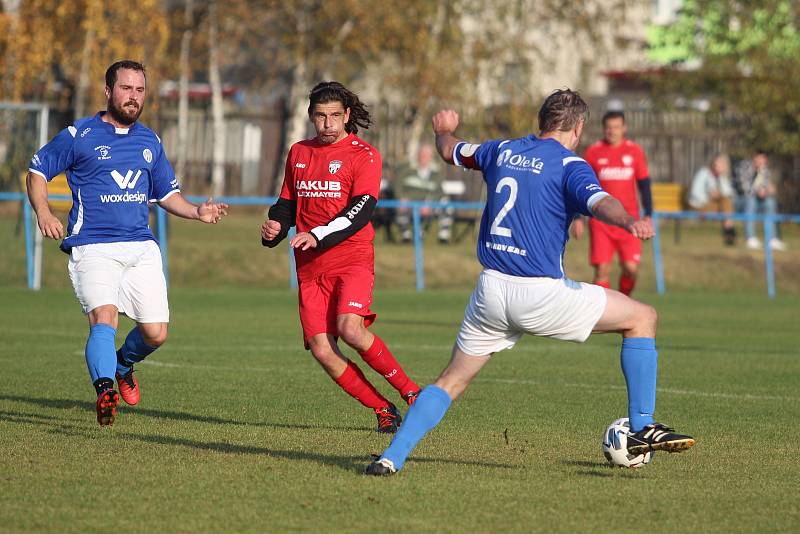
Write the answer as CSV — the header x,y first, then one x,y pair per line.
x,y
669,197
57,186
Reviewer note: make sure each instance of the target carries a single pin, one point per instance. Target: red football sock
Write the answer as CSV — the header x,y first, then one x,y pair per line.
x,y
357,386
626,284
380,358
603,283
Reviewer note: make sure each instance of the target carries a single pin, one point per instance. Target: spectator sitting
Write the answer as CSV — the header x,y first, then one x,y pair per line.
x,y
756,180
422,182
382,216
712,192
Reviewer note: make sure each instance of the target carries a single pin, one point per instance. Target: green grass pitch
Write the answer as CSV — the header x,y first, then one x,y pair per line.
x,y
240,430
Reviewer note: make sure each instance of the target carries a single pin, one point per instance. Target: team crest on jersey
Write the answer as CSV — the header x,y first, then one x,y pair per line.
x,y
103,150
334,166
627,160
148,156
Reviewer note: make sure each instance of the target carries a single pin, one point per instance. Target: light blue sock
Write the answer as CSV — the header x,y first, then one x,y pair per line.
x,y
132,351
100,351
426,412
639,361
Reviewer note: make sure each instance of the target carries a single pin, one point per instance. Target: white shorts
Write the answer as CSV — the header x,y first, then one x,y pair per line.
x,y
504,307
126,275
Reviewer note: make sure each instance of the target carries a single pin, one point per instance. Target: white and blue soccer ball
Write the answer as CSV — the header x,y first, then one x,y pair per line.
x,y
615,446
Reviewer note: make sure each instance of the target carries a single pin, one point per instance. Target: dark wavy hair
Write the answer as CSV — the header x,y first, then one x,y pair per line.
x,y
613,114
325,92
562,111
111,72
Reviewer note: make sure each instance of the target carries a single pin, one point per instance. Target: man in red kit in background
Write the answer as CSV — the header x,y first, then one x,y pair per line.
x,y
621,166
329,192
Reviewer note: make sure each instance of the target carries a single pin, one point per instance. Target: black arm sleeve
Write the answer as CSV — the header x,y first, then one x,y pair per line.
x,y
646,195
347,222
284,212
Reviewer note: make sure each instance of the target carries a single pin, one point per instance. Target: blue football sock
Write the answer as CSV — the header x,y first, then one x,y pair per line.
x,y
132,351
422,417
100,351
640,366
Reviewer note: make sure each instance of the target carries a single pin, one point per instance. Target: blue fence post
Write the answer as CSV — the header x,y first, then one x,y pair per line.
x,y
292,264
657,255
161,224
769,267
420,264
28,216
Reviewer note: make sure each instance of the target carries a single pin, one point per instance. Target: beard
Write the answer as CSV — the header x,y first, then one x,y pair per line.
x,y
122,115
327,139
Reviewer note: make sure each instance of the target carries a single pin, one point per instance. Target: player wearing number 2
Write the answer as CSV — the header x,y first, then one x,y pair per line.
x,y
536,186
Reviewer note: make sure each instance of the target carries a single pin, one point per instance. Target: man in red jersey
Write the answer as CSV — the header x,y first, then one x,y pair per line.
x,y
330,189
621,166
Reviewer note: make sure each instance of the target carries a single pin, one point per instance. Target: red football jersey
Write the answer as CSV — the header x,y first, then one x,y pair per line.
x,y
322,179
617,168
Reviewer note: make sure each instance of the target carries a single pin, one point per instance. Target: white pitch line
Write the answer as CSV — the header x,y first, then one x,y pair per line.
x,y
688,392
156,363
745,396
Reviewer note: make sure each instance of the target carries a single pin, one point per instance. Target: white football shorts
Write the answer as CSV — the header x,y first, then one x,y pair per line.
x,y
504,307
127,274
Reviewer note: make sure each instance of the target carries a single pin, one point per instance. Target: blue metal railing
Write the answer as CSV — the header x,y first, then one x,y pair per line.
x,y
416,212
769,225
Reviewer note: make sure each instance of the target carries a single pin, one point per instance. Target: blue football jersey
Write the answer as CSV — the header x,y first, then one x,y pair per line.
x,y
534,189
113,174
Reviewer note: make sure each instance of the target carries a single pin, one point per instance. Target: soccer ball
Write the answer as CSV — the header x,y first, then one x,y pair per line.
x,y
615,446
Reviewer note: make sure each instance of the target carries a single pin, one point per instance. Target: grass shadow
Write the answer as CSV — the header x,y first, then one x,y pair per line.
x,y
600,469
351,463
68,404
585,463
593,474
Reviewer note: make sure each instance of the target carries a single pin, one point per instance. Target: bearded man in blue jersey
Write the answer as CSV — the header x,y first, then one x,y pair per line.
x,y
115,167
535,187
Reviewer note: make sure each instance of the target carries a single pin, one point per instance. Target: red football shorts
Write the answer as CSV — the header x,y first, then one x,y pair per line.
x,y
328,295
606,240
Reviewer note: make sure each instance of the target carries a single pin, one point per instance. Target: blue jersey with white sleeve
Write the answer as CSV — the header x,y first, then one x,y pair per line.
x,y
535,188
113,174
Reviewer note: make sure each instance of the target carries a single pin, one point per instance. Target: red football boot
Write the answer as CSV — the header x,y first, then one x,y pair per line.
x,y
106,406
128,387
411,396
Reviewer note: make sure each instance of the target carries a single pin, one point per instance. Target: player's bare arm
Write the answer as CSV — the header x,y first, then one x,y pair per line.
x,y
49,224
444,123
209,212
610,211
578,228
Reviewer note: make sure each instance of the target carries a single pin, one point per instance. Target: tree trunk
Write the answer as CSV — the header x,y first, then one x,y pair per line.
x,y
297,119
183,91
11,8
217,111
84,75
421,113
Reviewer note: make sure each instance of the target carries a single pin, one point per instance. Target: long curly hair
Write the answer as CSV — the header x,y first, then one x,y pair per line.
x,y
325,92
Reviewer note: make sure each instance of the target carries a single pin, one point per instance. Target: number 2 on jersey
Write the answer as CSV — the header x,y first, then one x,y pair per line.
x,y
496,229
